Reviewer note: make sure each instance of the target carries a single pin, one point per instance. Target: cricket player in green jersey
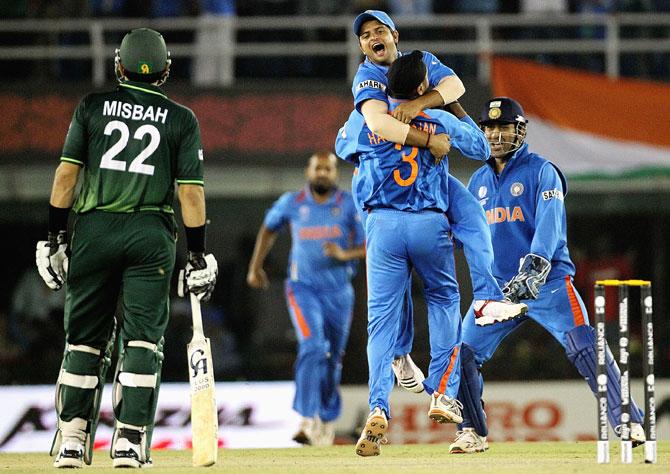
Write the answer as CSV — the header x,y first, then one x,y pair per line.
x,y
130,145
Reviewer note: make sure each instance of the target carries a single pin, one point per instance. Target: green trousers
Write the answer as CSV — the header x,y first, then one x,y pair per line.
x,y
128,255
116,254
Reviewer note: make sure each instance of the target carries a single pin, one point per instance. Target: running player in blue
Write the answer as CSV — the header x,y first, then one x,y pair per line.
x,y
405,191
327,238
523,196
378,40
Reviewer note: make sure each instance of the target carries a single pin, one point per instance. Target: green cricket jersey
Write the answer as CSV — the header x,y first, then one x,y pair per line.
x,y
133,144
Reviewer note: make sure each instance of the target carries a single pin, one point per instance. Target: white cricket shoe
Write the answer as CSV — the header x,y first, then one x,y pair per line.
x,y
637,435
70,455
373,434
489,312
408,375
128,450
306,431
326,433
444,409
468,441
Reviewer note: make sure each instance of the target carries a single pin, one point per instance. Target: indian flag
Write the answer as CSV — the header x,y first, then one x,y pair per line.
x,y
589,125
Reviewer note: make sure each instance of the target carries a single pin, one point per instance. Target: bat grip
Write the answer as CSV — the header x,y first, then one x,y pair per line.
x,y
197,315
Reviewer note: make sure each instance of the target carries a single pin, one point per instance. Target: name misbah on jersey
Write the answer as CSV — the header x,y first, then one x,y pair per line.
x,y
117,108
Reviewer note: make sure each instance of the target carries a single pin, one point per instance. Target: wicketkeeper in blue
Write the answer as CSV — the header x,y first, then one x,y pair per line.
x,y
523,196
326,239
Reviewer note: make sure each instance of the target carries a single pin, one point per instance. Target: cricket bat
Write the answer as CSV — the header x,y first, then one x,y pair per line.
x,y
204,415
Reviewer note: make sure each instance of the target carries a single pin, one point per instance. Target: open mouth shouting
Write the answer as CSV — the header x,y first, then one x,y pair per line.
x,y
379,49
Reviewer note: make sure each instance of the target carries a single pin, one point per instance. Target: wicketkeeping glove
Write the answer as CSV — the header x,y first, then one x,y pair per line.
x,y
526,285
52,260
199,276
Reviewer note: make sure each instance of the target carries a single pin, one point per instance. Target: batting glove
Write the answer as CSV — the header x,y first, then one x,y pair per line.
x,y
199,276
52,260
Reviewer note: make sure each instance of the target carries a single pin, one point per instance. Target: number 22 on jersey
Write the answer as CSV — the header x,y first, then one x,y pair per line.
x,y
137,165
411,159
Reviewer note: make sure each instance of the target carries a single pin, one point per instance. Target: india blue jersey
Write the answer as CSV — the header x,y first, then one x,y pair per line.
x,y
404,177
370,80
313,224
526,213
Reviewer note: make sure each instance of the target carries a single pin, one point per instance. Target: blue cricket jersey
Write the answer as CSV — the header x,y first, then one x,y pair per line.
x,y
404,177
526,213
370,80
313,224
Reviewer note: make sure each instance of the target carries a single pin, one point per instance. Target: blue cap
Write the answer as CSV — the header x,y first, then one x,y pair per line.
x,y
368,15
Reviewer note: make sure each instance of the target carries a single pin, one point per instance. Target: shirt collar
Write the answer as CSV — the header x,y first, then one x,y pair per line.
x,y
522,151
310,197
142,87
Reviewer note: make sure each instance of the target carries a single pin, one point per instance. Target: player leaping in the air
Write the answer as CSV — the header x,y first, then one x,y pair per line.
x,y
378,40
405,190
130,145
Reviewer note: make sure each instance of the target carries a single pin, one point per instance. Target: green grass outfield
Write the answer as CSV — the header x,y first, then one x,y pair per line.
x,y
538,457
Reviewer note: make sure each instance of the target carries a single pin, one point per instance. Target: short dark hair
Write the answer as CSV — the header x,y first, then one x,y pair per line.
x,y
405,75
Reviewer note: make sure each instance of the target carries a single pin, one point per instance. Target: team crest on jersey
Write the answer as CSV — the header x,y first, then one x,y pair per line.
x,y
516,189
304,212
494,112
335,211
371,83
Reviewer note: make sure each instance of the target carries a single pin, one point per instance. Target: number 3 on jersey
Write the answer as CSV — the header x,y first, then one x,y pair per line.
x,y
137,165
412,162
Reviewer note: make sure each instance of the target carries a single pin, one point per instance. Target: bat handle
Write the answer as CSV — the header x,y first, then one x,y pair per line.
x,y
196,314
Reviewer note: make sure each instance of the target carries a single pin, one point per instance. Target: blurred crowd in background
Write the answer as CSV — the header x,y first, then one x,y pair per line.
x,y
176,8
654,65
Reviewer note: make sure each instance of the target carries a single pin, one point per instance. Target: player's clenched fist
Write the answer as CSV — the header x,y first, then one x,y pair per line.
x,y
258,279
199,276
52,260
439,145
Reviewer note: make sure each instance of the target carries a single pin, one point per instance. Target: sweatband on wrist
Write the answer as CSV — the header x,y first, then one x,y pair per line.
x,y
195,238
58,218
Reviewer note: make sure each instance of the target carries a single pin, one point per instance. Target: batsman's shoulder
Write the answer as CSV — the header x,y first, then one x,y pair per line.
x,y
184,112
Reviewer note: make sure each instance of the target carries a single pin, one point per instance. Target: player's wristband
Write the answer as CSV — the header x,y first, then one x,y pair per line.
x,y
58,219
195,238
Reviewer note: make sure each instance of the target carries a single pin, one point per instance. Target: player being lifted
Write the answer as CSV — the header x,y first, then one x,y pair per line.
x,y
532,232
131,145
405,190
326,239
378,40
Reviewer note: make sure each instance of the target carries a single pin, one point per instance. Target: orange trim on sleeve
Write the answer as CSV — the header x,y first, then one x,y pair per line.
x,y
577,314
302,324
445,378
